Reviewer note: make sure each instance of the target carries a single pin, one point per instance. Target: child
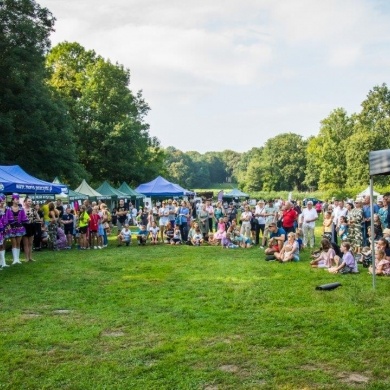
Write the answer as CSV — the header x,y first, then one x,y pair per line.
x,y
176,239
343,228
197,238
226,240
348,263
378,233
327,226
221,228
93,228
327,256
168,232
382,266
124,236
298,238
153,230
61,239
142,235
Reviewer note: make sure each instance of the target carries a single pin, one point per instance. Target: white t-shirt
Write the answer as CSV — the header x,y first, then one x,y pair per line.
x,y
126,234
309,215
154,230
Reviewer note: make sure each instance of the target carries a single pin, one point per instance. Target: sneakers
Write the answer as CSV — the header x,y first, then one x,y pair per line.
x,y
99,247
95,247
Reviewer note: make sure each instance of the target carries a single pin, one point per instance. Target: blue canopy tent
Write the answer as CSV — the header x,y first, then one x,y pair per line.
x,y
161,187
14,179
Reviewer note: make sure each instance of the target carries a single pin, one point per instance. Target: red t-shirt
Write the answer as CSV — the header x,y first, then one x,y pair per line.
x,y
94,222
289,216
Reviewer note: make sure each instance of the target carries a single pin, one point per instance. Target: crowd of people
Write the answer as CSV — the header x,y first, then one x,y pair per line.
x,y
281,228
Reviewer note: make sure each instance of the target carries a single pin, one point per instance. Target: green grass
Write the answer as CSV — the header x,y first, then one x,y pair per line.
x,y
182,317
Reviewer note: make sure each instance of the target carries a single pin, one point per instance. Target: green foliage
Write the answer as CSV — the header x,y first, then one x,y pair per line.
x,y
112,138
35,130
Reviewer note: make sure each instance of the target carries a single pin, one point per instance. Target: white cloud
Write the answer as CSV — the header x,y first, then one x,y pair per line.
x,y
212,67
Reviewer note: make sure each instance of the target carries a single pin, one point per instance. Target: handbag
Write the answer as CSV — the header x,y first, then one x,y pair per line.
x,y
178,220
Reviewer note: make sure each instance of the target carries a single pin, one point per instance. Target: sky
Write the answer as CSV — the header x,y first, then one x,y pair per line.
x,y
230,74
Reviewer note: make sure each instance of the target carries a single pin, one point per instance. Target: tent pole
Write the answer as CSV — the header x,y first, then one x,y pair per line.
x,y
372,230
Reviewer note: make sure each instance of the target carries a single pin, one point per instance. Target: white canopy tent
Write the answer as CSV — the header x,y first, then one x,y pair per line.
x,y
367,192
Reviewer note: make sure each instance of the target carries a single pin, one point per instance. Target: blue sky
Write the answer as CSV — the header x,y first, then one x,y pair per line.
x,y
231,74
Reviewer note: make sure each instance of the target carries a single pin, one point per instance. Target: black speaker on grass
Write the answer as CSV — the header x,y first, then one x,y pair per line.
x,y
329,286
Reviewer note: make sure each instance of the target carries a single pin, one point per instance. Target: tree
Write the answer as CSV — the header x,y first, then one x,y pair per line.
x,y
112,137
34,124
325,152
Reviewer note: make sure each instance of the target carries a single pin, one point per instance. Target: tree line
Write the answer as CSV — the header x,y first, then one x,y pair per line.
x,y
66,111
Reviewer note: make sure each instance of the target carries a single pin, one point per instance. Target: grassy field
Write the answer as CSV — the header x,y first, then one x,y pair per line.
x,y
162,317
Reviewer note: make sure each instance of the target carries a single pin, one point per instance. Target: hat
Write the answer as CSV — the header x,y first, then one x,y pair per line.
x,y
386,231
15,196
358,200
261,201
2,197
379,198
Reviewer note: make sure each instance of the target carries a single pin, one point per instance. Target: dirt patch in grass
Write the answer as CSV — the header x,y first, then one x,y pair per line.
x,y
353,378
211,387
229,368
30,315
62,311
113,333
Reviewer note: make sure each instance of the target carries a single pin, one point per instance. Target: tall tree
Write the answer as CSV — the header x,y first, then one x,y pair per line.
x,y
112,137
34,124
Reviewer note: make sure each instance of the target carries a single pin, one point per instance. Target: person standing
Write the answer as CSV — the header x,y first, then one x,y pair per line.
x,y
28,238
15,217
3,264
261,219
289,217
308,217
121,214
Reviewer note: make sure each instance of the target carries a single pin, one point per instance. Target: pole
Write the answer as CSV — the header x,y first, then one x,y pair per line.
x,y
372,231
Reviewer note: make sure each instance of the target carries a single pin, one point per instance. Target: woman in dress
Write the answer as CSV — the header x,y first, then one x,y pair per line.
x,y
15,217
203,220
53,225
355,219
28,238
3,264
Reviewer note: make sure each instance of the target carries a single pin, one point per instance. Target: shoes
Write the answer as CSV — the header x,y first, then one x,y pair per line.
x,y
31,260
261,247
5,265
95,247
105,246
16,262
99,247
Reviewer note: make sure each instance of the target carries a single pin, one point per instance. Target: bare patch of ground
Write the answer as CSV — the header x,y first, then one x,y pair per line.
x,y
354,378
113,333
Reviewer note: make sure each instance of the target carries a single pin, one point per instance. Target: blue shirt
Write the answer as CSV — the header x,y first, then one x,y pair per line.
x,y
278,233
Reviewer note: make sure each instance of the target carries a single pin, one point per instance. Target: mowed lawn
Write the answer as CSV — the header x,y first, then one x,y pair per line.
x,y
163,317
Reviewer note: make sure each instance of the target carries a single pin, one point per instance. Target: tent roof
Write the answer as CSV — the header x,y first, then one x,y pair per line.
x,y
236,193
107,189
73,195
367,192
86,189
14,179
126,189
161,187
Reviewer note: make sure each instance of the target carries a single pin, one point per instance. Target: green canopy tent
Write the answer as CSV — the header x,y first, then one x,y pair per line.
x,y
130,193
108,190
86,189
235,193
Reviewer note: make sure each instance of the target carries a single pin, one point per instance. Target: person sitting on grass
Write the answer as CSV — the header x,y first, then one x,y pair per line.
x,y
327,257
62,241
153,230
176,239
226,240
238,238
124,237
197,238
142,235
168,233
277,238
348,263
290,250
382,265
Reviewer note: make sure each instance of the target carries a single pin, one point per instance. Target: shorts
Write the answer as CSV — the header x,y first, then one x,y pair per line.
x,y
30,229
83,230
68,229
